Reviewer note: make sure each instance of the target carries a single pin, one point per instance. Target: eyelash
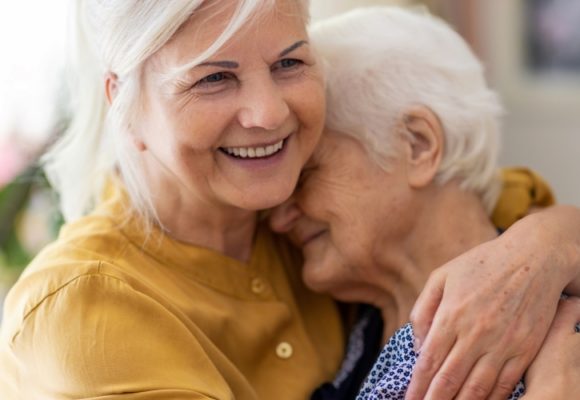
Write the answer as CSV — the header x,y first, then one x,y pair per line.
x,y
209,81
295,64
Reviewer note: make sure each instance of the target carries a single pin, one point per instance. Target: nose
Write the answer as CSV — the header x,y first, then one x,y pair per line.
x,y
284,217
264,105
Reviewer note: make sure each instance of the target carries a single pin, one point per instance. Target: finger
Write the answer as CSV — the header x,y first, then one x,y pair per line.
x,y
425,307
432,356
456,369
510,375
480,380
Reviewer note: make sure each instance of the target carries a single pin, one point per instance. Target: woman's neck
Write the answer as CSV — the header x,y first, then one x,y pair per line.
x,y
225,229
453,222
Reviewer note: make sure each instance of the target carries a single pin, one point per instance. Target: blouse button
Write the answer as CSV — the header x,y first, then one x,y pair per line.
x,y
284,350
258,286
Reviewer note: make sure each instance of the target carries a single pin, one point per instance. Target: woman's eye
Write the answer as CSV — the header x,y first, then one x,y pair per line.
x,y
287,64
211,79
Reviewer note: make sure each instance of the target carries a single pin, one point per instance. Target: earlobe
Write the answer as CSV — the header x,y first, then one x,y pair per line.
x,y
139,144
424,138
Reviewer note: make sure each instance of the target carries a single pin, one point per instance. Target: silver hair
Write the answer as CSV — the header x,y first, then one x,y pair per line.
x,y
382,60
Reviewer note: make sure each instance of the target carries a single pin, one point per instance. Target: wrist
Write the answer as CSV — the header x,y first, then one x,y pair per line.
x,y
547,250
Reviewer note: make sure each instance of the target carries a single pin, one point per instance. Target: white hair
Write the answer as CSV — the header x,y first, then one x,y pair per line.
x,y
111,36
382,60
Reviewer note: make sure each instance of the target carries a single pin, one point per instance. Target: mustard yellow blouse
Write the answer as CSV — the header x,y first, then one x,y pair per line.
x,y
107,312
522,190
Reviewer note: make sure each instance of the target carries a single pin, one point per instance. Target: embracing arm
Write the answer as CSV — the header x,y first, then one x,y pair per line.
x,y
482,317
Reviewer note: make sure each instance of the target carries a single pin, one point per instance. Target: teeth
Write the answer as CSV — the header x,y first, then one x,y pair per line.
x,y
254,152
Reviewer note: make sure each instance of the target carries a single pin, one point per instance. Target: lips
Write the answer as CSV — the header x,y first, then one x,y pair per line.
x,y
305,239
254,152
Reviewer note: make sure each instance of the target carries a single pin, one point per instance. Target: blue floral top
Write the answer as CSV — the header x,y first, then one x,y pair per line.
x,y
391,374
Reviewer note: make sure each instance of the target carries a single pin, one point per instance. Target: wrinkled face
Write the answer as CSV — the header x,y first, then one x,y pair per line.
x,y
344,212
236,130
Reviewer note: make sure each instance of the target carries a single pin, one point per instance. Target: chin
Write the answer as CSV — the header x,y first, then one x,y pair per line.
x,y
263,201
317,279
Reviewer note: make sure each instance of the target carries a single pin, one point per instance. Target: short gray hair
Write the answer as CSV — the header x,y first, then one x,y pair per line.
x,y
382,60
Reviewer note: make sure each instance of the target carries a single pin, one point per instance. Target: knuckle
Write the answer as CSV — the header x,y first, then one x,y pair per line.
x,y
477,390
448,383
427,364
505,387
507,382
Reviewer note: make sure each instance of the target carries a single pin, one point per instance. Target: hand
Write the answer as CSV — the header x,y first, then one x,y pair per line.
x,y
555,372
482,317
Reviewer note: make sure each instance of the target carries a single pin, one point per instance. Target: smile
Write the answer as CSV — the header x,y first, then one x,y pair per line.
x,y
254,152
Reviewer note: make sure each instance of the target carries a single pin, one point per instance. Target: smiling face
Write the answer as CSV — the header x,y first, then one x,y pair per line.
x,y
346,212
234,131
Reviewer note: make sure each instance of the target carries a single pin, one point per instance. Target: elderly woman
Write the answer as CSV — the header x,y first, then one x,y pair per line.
x,y
404,181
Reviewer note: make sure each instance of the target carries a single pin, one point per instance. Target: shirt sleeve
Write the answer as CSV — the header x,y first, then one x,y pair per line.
x,y
97,337
522,190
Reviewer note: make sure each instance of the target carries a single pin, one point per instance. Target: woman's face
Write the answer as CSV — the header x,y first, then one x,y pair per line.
x,y
237,129
345,213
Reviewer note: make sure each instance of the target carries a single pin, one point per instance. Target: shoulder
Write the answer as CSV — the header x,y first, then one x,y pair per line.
x,y
80,253
95,332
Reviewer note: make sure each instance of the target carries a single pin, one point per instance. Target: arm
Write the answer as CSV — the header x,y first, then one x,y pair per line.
x,y
482,317
555,372
98,337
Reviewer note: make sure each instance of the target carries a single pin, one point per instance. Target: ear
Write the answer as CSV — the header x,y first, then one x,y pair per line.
x,y
424,140
111,86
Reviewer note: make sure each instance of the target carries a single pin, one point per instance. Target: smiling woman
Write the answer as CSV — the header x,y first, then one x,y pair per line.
x,y
190,116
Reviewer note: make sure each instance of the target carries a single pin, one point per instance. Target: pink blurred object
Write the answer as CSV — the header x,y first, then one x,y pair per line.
x,y
12,161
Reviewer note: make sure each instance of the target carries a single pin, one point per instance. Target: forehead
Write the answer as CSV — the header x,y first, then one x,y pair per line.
x,y
270,21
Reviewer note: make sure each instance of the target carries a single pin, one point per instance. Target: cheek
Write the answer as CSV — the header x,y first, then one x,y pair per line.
x,y
313,200
192,125
308,102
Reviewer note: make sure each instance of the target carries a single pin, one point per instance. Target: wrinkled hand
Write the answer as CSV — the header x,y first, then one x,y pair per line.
x,y
481,320
555,372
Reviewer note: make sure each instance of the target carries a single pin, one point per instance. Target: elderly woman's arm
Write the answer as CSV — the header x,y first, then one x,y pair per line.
x,y
482,317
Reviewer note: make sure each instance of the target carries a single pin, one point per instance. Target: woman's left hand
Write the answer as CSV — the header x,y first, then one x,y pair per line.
x,y
483,316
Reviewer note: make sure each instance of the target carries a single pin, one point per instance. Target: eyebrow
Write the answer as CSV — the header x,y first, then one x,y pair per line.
x,y
221,64
292,48
234,64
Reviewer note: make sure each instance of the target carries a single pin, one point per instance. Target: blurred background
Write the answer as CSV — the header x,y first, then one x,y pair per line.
x,y
531,50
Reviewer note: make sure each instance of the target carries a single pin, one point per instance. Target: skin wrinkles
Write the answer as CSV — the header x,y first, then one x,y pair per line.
x,y
377,257
259,102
